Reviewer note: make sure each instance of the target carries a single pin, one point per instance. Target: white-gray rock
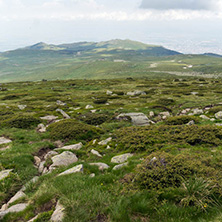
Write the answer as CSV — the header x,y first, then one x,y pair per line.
x,y
121,158
106,141
13,209
218,124
108,92
49,117
204,117
164,114
151,114
60,103
117,167
4,174
135,93
89,107
92,175
37,161
95,152
64,114
77,146
197,111
21,107
41,128
138,119
17,196
218,115
102,166
190,123
58,214
75,169
4,140
63,159
50,154
41,167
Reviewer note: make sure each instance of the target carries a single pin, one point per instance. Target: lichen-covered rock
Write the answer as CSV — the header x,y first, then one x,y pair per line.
x,y
218,115
49,117
4,140
77,146
13,209
63,159
106,141
117,167
17,196
138,119
121,158
95,152
58,214
64,114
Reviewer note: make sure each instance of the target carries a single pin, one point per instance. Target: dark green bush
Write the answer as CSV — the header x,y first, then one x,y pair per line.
x,y
150,138
165,102
94,118
21,121
100,100
161,170
14,96
71,129
180,120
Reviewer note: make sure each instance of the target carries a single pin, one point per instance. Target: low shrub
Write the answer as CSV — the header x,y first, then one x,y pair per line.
x,y
94,118
100,101
180,120
71,129
21,121
151,138
165,102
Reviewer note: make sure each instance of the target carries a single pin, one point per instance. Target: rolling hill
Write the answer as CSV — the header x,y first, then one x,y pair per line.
x,y
95,60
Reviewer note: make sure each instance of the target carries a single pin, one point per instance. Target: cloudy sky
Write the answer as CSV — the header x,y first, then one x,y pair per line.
x,y
189,26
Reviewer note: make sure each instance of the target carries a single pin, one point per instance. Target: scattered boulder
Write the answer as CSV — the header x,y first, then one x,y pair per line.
x,y
49,118
121,158
37,161
41,167
13,209
41,128
58,214
102,166
64,114
197,111
63,159
135,93
89,107
218,124
96,153
75,169
138,119
117,167
60,103
151,114
204,117
77,146
17,196
4,140
4,174
106,141
108,92
21,107
190,123
218,115
164,115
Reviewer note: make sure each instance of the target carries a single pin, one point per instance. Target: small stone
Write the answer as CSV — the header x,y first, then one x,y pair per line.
x,y
60,103
37,160
106,141
96,153
21,107
108,147
102,166
151,114
138,119
117,167
212,119
92,175
164,114
4,174
41,167
41,128
93,110
108,92
121,158
77,146
197,111
204,117
58,214
94,141
135,93
76,169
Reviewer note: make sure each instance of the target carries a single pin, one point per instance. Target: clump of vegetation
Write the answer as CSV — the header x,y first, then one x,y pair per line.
x,y
101,100
180,120
71,129
21,121
165,102
94,118
150,138
215,109
14,96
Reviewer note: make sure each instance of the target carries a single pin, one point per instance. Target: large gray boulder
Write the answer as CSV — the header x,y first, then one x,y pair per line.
x,y
17,196
63,159
121,158
138,119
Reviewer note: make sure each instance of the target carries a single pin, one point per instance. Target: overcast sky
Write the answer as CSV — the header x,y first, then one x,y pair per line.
x,y
189,26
